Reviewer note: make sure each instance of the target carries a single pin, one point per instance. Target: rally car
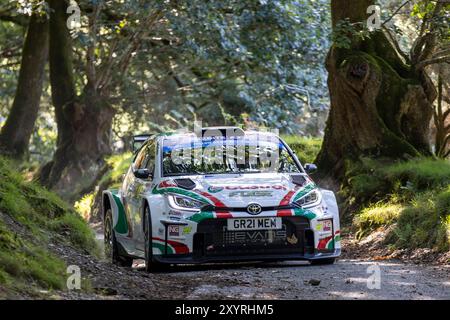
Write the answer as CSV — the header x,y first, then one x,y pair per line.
x,y
219,195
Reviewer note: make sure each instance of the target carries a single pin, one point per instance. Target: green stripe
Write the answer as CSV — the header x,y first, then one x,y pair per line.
x,y
161,247
179,191
121,225
332,242
198,217
304,213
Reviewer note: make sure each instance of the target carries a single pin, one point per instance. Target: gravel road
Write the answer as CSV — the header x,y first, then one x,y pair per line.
x,y
347,279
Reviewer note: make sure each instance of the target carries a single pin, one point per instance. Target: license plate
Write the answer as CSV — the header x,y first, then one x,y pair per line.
x,y
254,224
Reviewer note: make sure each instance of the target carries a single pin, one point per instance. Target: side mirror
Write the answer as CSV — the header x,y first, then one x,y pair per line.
x,y
142,174
310,168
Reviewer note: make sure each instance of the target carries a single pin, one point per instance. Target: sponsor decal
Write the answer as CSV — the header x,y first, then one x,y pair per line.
x,y
292,239
174,231
255,237
256,187
251,194
187,230
213,189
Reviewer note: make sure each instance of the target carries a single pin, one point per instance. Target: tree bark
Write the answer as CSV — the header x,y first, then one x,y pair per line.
x,y
84,122
380,106
25,108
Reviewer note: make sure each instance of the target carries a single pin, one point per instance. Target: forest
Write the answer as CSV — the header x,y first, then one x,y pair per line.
x,y
360,90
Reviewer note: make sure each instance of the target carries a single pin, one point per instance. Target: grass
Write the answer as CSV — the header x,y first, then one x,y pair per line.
x,y
306,149
24,262
414,195
42,216
376,216
370,181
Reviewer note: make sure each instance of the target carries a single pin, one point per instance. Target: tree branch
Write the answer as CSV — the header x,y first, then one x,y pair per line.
x,y
425,63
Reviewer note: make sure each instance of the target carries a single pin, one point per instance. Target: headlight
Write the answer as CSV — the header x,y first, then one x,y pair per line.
x,y
312,199
184,203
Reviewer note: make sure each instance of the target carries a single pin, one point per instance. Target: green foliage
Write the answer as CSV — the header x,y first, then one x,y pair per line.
x,y
22,261
373,180
78,232
345,33
231,57
306,149
119,165
375,216
425,222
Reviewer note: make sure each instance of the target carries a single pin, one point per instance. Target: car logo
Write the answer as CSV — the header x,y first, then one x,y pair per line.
x,y
254,208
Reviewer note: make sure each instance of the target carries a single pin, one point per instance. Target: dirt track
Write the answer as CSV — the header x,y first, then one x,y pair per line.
x,y
347,279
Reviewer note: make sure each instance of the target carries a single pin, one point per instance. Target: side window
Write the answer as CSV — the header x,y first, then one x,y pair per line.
x,y
140,158
149,162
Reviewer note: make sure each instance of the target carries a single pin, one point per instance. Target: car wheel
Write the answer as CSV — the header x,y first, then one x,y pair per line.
x,y
111,246
323,261
150,264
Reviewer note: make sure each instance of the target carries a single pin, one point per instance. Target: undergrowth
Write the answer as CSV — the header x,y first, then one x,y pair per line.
x,y
414,196
40,216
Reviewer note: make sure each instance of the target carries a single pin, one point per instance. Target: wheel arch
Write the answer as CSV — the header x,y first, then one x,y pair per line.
x,y
111,199
106,204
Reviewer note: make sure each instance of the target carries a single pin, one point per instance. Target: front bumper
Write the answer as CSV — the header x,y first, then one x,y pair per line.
x,y
212,242
192,259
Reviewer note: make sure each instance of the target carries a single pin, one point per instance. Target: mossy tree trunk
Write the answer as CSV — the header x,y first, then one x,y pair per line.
x,y
84,121
380,106
24,110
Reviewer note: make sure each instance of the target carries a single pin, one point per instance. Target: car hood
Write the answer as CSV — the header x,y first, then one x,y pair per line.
x,y
238,190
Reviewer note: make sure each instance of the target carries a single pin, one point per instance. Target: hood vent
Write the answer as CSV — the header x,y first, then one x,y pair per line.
x,y
298,180
187,184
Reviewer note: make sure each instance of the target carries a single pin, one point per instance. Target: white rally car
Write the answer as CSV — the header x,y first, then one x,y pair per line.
x,y
219,195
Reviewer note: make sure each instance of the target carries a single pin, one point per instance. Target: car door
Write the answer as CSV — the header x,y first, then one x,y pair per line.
x,y
129,189
137,196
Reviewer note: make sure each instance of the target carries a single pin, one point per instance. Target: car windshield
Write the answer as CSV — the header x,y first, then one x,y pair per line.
x,y
255,153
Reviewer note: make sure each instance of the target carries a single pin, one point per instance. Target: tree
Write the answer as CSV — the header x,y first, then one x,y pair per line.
x,y
24,110
84,120
381,98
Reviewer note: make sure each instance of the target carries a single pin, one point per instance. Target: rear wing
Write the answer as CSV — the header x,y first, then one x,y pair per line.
x,y
138,141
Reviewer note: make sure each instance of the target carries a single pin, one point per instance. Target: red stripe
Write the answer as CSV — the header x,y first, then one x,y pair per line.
x,y
323,243
178,246
284,202
217,203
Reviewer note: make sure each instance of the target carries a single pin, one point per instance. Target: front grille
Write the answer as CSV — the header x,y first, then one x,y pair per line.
x,y
244,209
213,238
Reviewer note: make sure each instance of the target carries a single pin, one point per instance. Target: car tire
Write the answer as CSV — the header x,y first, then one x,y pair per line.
x,y
150,264
111,245
323,261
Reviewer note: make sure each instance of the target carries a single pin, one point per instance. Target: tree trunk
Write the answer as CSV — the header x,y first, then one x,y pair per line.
x,y
380,106
24,111
84,122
